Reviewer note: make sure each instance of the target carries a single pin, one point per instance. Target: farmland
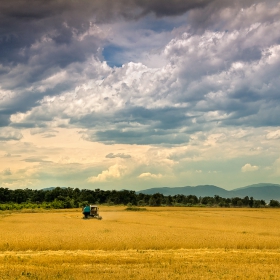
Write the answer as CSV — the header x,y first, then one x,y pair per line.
x,y
177,243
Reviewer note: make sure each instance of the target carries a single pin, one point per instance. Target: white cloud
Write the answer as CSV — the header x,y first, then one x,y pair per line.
x,y
273,135
249,168
113,172
149,175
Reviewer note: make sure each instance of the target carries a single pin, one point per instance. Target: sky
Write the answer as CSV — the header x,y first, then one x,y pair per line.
x,y
130,94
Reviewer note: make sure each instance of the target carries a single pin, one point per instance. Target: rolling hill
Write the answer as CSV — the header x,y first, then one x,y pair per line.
x,y
265,191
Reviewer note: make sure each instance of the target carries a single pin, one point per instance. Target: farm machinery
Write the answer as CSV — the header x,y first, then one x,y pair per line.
x,y
91,211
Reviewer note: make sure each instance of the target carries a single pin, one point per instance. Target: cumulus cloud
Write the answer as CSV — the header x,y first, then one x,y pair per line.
x,y
67,53
55,57
249,168
138,104
148,175
113,172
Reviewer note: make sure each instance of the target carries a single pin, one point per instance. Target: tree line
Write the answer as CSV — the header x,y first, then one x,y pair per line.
x,y
73,197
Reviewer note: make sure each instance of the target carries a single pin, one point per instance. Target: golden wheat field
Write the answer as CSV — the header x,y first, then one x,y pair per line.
x,y
161,243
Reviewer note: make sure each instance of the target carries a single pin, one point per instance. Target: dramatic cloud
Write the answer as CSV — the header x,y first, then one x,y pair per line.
x,y
45,45
188,89
137,104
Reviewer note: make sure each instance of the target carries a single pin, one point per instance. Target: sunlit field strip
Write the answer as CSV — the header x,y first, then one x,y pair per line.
x,y
158,228
132,264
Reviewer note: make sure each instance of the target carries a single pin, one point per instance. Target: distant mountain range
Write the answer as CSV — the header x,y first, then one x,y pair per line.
x,y
265,191
51,188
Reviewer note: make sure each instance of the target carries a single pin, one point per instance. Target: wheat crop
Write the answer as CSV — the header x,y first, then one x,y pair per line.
x,y
158,228
175,243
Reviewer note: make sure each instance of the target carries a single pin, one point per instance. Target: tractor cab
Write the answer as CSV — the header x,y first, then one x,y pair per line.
x,y
91,211
94,210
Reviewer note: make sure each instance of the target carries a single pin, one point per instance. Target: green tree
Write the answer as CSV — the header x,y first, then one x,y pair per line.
x,y
274,203
251,202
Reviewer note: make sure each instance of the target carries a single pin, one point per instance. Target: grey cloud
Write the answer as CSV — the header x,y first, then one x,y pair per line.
x,y
249,54
186,154
4,119
7,172
223,15
41,130
27,22
49,135
140,125
140,137
118,155
10,155
37,159
158,118
8,134
269,116
170,8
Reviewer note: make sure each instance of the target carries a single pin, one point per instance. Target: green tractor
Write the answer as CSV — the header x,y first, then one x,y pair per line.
x,y
91,211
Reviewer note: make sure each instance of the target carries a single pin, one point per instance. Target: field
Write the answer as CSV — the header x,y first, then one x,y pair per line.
x,y
161,243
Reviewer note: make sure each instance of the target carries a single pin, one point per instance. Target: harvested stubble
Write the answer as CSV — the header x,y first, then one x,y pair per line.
x,y
190,243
